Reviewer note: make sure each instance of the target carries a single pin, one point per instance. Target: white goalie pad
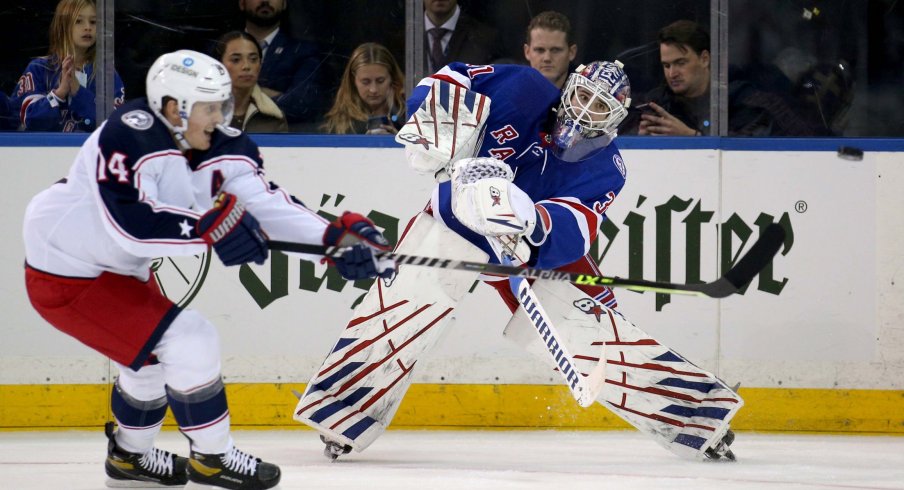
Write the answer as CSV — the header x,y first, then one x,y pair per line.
x,y
355,393
682,407
448,126
485,200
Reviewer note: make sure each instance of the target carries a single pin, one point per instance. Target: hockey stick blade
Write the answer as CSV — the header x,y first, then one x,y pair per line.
x,y
758,257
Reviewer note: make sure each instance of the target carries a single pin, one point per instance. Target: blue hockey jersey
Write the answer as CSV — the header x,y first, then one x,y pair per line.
x,y
38,111
571,197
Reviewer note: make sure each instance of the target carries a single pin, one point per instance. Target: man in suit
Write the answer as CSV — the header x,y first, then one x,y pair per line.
x,y
291,71
451,35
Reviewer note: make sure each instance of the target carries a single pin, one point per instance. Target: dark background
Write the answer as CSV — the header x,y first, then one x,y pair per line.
x,y
866,35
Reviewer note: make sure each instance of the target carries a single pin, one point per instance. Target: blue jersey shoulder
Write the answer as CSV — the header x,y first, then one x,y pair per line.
x,y
135,131
229,141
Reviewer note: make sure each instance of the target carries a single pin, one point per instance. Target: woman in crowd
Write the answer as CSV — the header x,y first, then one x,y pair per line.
x,y
370,99
255,112
56,92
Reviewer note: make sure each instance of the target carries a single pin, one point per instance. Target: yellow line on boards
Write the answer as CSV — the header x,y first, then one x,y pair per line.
x,y
451,406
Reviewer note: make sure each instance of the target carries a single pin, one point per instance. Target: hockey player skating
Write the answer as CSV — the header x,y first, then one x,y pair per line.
x,y
526,175
164,177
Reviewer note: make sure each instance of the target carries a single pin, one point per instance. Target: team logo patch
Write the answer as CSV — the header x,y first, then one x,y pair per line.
x,y
229,130
619,164
138,119
589,307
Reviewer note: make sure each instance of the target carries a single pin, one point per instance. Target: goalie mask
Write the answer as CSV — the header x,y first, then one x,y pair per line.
x,y
594,102
188,77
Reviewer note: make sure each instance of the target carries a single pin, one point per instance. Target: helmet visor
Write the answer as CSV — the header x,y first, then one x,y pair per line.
x,y
215,112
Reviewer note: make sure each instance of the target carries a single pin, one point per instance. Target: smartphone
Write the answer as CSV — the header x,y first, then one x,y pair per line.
x,y
644,108
375,122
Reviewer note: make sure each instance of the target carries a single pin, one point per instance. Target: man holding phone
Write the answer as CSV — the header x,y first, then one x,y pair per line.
x,y
681,106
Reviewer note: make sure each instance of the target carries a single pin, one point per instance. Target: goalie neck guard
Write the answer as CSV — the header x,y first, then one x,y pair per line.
x,y
593,103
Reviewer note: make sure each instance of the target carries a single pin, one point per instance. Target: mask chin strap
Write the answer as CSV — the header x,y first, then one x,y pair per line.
x,y
181,142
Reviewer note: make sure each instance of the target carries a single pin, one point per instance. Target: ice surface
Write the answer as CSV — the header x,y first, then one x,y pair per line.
x,y
497,460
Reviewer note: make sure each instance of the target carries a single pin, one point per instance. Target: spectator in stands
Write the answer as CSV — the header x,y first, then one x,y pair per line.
x,y
255,112
452,35
549,46
56,92
290,72
371,97
681,107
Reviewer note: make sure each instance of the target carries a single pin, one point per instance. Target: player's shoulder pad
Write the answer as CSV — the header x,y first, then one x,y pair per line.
x,y
133,129
230,141
610,157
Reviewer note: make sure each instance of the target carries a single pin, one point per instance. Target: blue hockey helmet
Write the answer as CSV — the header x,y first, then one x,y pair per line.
x,y
593,103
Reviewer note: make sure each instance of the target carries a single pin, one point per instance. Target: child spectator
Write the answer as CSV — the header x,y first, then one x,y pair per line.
x,y
57,91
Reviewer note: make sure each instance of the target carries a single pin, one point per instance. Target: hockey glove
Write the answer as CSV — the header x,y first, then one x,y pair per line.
x,y
234,234
361,237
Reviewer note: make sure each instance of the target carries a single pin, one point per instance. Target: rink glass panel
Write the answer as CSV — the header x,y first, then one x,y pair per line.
x,y
837,62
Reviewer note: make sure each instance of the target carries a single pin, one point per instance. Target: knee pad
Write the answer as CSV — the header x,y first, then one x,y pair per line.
x,y
189,352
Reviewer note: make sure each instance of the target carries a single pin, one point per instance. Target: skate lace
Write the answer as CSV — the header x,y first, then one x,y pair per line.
x,y
240,462
157,461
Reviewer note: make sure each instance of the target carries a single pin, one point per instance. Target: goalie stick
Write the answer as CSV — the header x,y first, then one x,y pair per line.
x,y
585,387
757,258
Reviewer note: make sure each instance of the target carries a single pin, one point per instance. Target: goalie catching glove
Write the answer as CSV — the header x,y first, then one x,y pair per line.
x,y
486,201
234,234
359,235
448,126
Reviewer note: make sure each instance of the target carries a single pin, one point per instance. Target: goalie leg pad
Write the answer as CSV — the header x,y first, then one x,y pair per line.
x,y
355,393
683,408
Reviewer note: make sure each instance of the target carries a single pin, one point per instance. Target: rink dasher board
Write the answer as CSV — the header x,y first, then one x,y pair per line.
x,y
830,327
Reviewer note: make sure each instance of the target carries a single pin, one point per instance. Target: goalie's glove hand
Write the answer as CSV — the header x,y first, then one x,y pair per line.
x,y
359,234
235,235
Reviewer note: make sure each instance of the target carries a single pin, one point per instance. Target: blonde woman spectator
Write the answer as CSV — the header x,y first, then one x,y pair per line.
x,y
370,99
255,112
56,92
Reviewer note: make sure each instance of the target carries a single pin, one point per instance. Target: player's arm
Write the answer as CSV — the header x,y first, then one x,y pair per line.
x,y
127,189
283,217
567,225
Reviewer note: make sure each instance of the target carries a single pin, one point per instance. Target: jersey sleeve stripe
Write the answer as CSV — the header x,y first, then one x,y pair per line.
x,y
590,222
25,103
449,75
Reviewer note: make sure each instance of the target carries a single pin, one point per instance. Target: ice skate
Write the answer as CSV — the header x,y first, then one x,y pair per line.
x,y
234,470
154,469
334,449
720,451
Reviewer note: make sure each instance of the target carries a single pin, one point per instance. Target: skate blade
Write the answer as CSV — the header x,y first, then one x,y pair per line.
x,y
200,486
114,483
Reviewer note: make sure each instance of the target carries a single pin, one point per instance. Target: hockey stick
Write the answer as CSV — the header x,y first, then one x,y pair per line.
x,y
584,389
758,257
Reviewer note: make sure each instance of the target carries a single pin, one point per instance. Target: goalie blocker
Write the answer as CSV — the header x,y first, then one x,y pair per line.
x,y
447,127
